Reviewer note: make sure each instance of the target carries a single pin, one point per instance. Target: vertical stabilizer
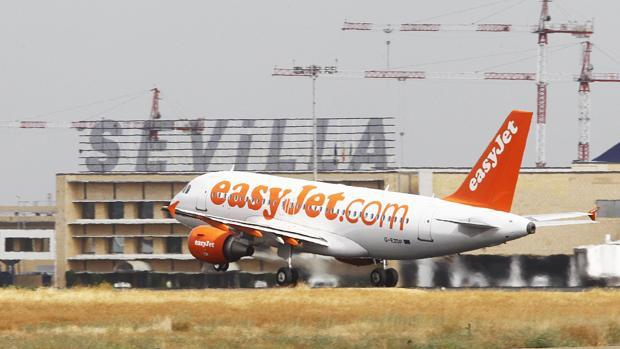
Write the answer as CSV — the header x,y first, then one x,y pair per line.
x,y
492,181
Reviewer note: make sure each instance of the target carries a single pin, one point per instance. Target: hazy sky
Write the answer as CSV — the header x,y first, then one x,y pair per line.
x,y
214,59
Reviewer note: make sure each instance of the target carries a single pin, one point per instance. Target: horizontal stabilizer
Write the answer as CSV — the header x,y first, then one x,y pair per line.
x,y
559,223
470,222
556,216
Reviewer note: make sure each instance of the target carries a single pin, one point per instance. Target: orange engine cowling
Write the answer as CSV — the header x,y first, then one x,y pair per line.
x,y
216,246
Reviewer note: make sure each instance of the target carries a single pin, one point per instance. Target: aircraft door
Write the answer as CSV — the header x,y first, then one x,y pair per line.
x,y
424,225
201,201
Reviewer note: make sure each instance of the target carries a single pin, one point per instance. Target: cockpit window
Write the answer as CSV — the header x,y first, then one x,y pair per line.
x,y
187,189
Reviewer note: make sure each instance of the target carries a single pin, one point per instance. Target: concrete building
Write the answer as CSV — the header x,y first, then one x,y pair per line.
x,y
27,244
109,223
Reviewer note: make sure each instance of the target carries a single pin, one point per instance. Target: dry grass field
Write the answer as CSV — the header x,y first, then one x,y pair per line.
x,y
307,318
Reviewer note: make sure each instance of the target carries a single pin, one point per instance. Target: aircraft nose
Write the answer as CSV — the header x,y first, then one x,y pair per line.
x,y
172,207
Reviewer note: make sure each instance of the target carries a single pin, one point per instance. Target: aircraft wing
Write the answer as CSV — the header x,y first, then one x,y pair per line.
x,y
274,227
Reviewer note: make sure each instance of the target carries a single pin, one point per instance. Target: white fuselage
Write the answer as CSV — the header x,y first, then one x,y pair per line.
x,y
379,224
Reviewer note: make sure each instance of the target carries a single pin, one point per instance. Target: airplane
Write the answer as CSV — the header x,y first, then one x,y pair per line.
x,y
231,212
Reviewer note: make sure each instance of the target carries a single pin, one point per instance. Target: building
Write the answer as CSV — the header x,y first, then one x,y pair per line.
x,y
27,244
112,223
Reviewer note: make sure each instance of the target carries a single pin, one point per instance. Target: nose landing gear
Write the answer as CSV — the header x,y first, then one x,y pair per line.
x,y
384,277
220,267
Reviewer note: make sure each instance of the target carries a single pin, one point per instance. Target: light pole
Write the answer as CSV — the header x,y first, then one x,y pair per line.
x,y
387,30
402,148
312,71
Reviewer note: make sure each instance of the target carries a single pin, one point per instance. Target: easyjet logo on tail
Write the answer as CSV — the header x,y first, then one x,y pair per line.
x,y
501,142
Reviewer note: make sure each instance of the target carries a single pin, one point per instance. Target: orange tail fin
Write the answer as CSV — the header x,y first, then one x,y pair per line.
x,y
492,181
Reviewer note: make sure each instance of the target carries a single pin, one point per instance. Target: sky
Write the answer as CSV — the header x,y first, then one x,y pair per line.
x,y
85,60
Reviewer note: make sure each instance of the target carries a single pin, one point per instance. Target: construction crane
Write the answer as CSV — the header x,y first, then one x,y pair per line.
x,y
585,78
542,29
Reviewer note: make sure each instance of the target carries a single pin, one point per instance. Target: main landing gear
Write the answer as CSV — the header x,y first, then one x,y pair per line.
x,y
383,276
287,276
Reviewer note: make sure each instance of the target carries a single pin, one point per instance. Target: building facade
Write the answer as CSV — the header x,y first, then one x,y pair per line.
x,y
27,244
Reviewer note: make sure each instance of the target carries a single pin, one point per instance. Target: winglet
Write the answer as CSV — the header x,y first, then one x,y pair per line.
x,y
172,208
492,181
593,213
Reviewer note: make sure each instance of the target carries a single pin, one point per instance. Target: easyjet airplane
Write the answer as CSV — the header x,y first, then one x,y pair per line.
x,y
230,212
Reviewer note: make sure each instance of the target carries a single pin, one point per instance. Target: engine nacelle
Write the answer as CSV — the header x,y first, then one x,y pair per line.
x,y
216,246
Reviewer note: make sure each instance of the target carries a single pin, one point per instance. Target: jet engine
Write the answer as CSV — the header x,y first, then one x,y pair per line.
x,y
216,246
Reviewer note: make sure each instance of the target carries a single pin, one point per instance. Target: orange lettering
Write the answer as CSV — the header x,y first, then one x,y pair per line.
x,y
331,204
300,199
317,201
396,208
275,200
349,218
238,198
220,188
376,215
257,198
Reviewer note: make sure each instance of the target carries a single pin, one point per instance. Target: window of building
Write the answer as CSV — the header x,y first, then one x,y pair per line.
x,y
608,208
174,245
88,246
146,245
88,210
117,245
116,210
41,244
26,245
9,245
145,210
18,245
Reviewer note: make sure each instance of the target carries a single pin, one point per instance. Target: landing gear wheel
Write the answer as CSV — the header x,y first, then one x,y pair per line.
x,y
287,276
391,277
377,277
295,276
220,267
